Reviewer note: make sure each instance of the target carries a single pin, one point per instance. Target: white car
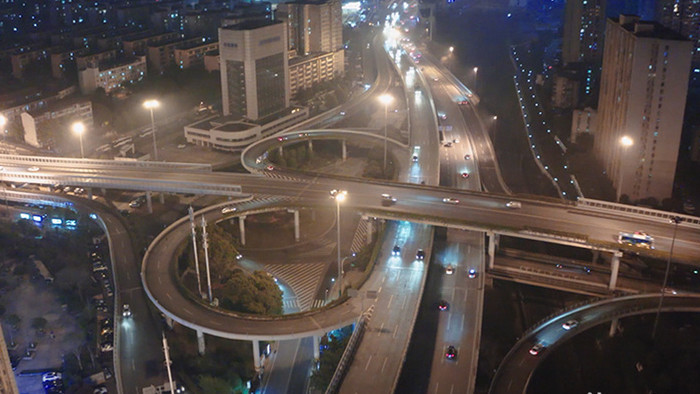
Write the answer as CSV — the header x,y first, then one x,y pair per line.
x,y
126,310
514,204
569,324
229,210
449,270
450,200
33,169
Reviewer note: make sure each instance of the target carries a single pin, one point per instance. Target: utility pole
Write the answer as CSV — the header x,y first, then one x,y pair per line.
x,y
205,237
193,227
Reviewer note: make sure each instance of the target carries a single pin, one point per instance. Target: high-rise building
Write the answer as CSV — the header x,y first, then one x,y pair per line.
x,y
584,25
8,385
254,69
643,90
682,16
314,26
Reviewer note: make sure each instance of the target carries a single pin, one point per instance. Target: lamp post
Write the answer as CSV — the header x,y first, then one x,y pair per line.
x,y
625,142
3,122
151,105
676,220
385,99
79,128
339,196
452,49
476,73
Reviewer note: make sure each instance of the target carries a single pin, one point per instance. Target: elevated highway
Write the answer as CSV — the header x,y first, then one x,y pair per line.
x,y
517,367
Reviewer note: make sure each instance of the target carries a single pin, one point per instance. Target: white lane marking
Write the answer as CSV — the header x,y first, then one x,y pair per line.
x,y
449,318
453,293
437,385
462,329
368,361
384,363
381,328
187,311
452,389
396,330
380,290
169,296
390,300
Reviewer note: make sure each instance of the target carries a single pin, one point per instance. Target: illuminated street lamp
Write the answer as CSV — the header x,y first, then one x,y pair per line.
x,y
452,49
625,142
476,73
3,122
385,99
151,105
339,196
79,129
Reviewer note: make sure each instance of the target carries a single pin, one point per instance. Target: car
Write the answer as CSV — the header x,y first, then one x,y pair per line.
x,y
436,79
388,199
78,190
396,251
270,168
228,210
467,157
106,331
537,349
51,376
471,273
107,372
449,270
465,175
342,113
106,346
415,158
443,305
126,310
135,204
33,169
101,389
420,254
450,200
569,324
181,146
451,353
514,205
448,144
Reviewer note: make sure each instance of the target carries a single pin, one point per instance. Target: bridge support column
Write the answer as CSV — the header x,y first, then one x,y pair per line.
x,y
614,325
170,322
89,191
200,343
311,146
317,344
149,203
614,268
280,151
256,355
493,246
104,191
241,228
596,256
344,149
296,223
161,198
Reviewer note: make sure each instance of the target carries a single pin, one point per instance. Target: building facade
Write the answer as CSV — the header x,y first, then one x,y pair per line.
x,y
306,71
584,26
643,90
314,26
112,76
8,385
193,55
254,69
40,126
682,16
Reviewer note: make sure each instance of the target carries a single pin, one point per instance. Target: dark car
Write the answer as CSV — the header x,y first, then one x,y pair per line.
x,y
396,251
451,353
443,305
420,254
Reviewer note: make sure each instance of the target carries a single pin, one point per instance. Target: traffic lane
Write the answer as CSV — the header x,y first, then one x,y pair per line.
x,y
514,373
278,371
398,290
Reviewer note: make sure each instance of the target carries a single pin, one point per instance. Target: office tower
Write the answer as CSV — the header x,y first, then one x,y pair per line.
x,y
584,24
314,26
682,16
643,90
254,69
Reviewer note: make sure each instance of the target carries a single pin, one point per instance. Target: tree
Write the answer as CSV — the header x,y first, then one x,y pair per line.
x,y
39,323
330,357
255,293
13,320
212,384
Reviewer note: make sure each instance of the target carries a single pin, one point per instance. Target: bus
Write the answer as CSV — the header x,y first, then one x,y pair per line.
x,y
638,238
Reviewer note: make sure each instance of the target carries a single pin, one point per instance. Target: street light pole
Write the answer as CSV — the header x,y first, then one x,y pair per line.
x,y
676,220
79,129
339,196
3,122
151,105
625,142
476,70
385,99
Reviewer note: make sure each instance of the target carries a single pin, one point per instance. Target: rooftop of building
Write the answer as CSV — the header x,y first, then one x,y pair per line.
x,y
107,65
646,29
182,41
310,56
195,44
240,125
60,104
251,24
145,35
311,2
